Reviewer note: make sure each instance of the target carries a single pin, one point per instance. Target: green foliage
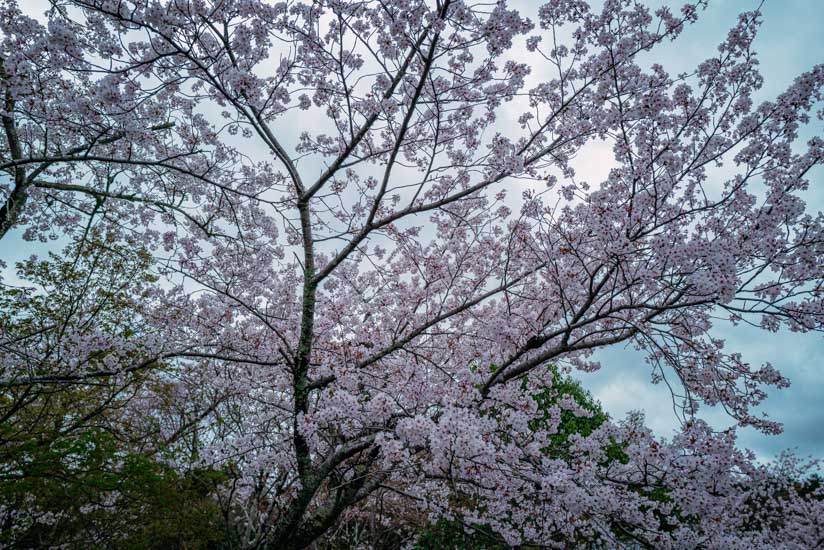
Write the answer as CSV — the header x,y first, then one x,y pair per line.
x,y
451,535
89,485
570,423
74,471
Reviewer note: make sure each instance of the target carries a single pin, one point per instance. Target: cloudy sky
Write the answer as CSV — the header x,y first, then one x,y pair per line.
x,y
789,43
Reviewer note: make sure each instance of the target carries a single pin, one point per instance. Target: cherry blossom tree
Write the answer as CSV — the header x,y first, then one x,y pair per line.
x,y
366,271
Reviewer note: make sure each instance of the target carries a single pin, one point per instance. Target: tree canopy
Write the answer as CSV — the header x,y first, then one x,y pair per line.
x,y
314,260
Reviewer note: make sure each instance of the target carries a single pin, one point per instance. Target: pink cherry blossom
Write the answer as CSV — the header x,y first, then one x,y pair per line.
x,y
363,271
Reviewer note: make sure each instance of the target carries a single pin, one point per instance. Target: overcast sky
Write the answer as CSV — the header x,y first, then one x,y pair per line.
x,y
789,43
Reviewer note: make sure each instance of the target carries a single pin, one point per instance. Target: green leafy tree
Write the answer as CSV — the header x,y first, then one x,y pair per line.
x,y
74,470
